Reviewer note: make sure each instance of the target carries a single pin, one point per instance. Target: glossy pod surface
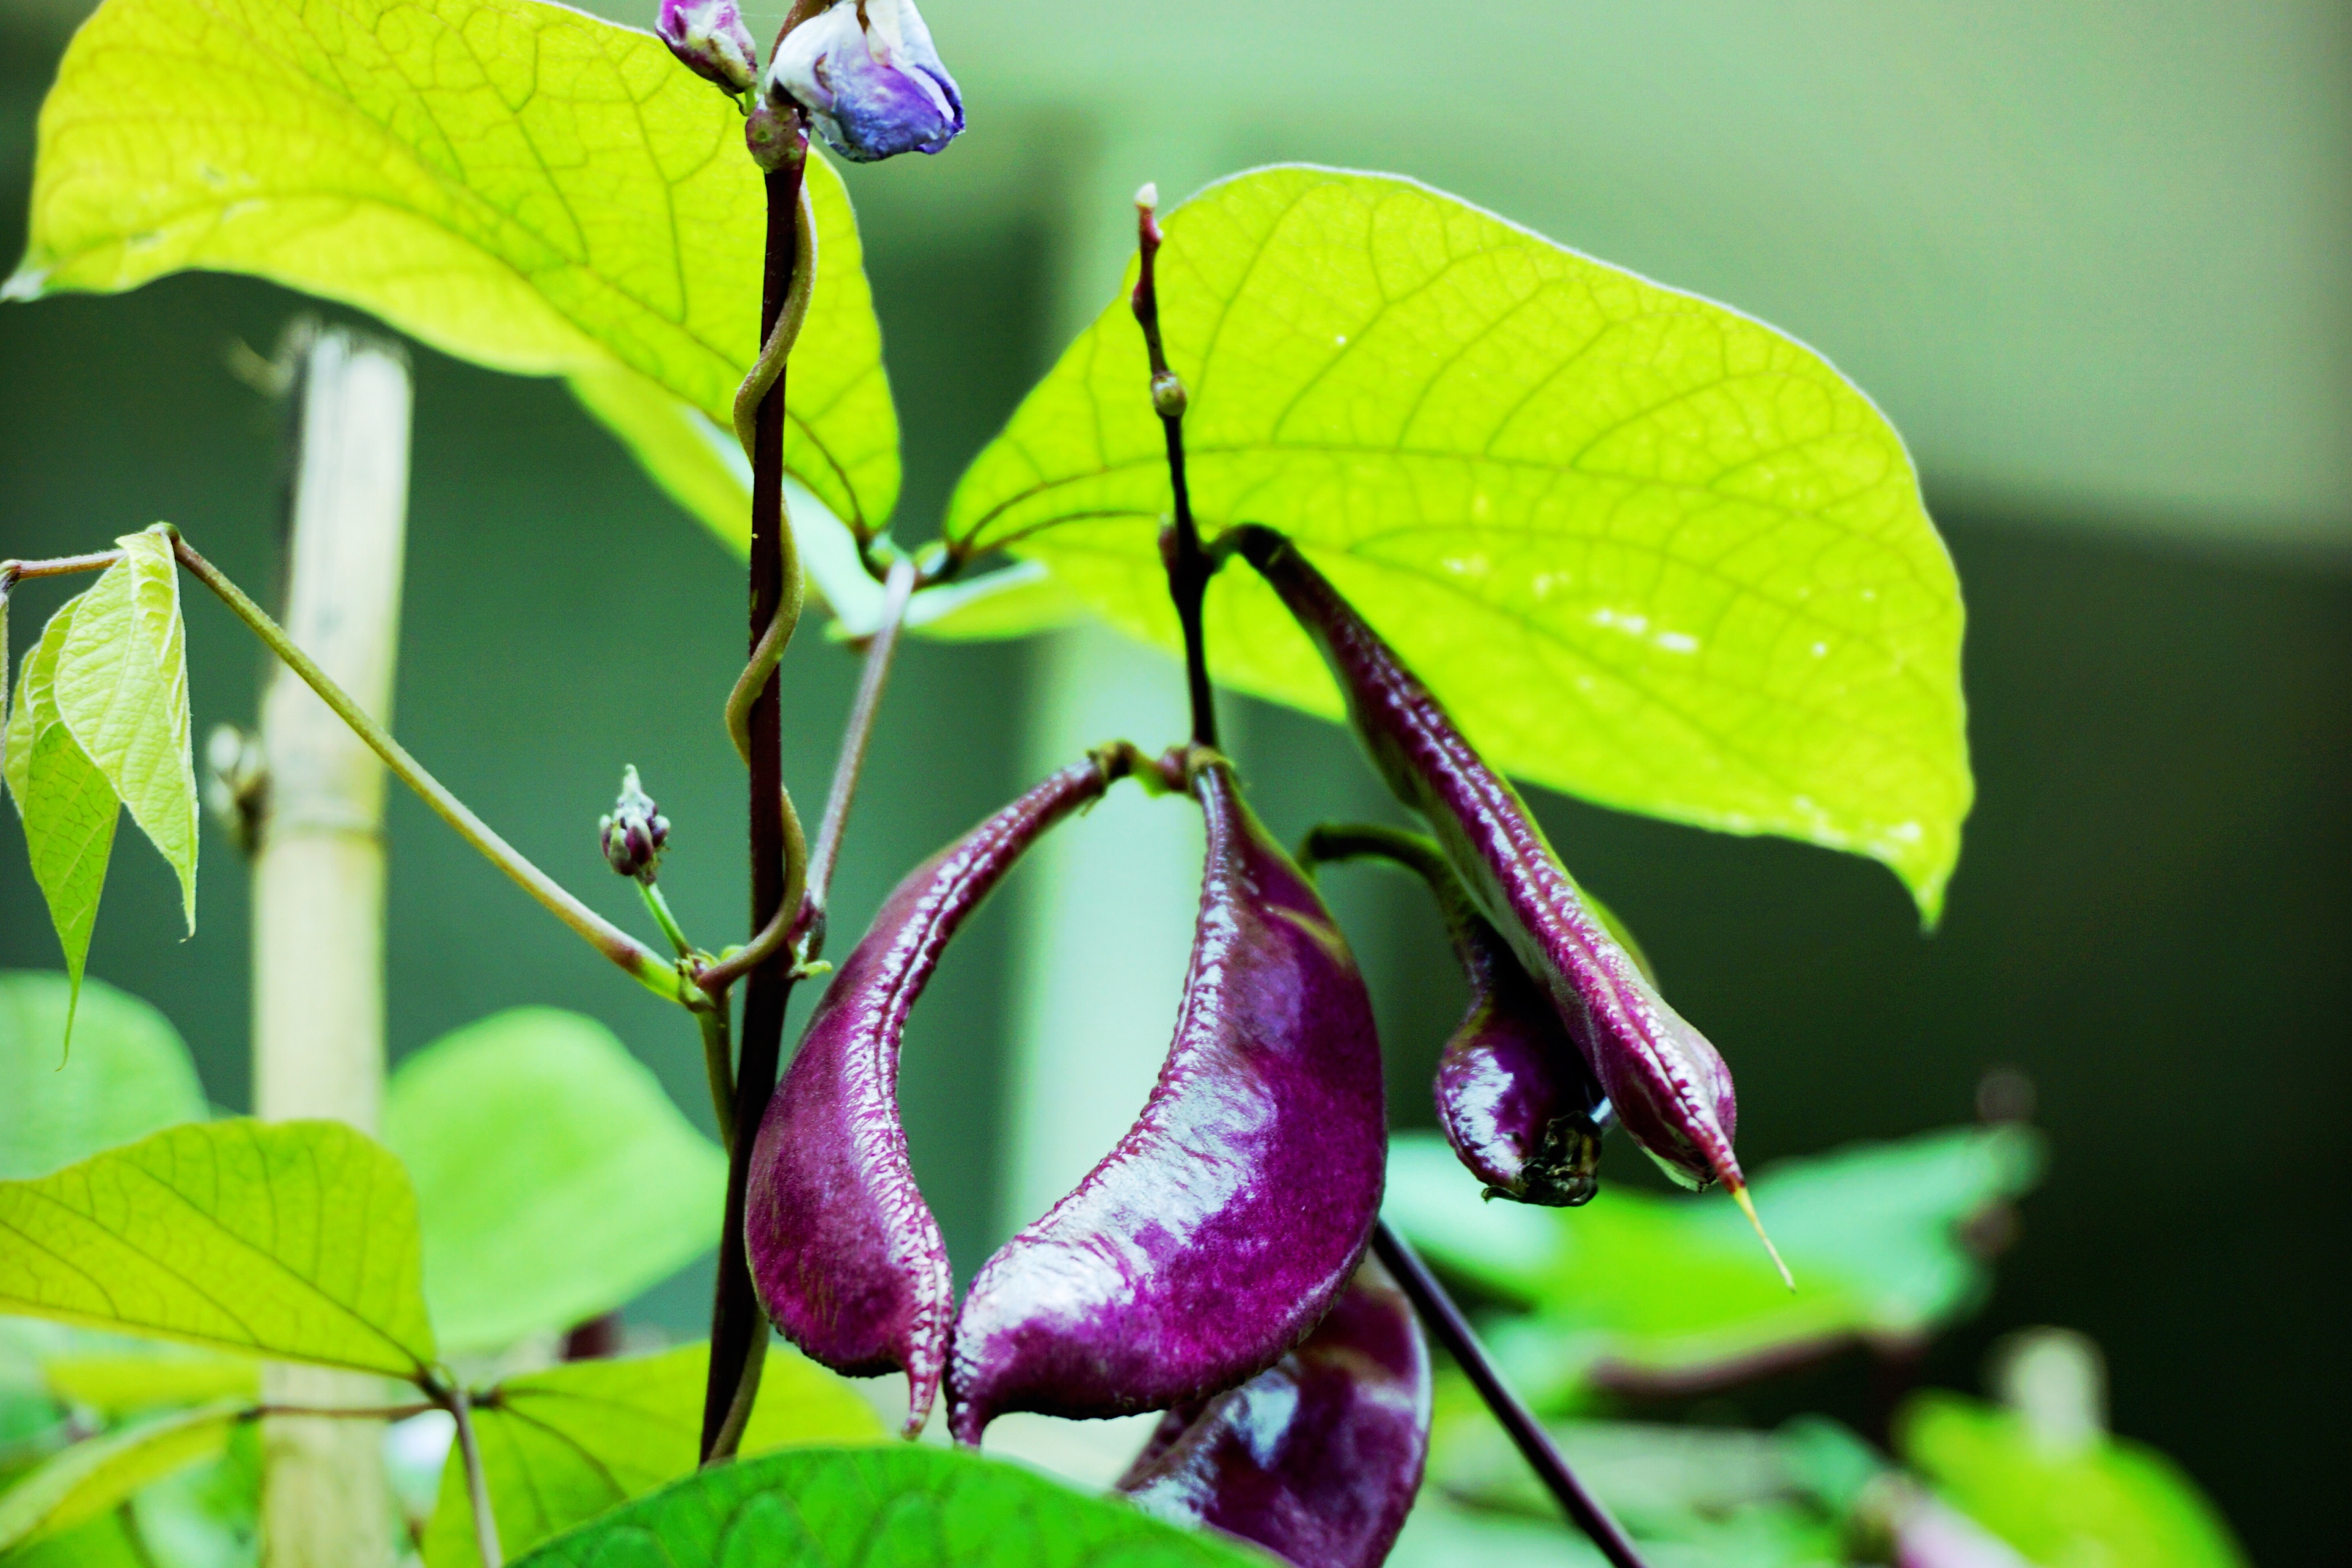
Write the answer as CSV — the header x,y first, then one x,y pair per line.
x,y
1514,1095
1217,1232
1514,1098
846,1255
1317,1459
1668,1084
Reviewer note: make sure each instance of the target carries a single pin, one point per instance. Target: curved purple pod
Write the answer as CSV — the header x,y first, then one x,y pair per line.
x,y
1514,1096
1318,1458
845,1254
1669,1086
1209,1241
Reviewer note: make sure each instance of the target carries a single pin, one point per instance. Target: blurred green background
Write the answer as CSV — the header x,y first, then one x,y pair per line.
x,y
2088,258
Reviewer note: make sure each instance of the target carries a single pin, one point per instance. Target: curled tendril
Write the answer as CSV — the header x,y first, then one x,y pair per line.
x,y
791,594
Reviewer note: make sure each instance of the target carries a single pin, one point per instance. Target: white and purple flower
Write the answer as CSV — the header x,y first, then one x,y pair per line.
x,y
870,80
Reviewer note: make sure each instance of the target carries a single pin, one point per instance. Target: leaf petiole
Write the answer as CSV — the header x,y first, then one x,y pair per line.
x,y
632,957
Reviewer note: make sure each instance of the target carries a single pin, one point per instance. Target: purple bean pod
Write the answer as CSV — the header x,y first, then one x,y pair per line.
x,y
845,1254
1317,1459
1514,1096
1669,1086
1220,1228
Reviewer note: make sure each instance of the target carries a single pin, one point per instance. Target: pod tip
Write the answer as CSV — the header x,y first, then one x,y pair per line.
x,y
1748,1207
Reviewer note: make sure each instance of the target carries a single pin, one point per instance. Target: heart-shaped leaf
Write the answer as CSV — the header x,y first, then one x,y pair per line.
x,y
1646,549
121,686
515,183
293,1240
905,1506
67,806
563,1445
129,1075
555,1179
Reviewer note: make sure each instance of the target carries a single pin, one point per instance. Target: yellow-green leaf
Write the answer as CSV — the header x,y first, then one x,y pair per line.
x,y
515,183
99,1474
1646,549
555,1179
67,806
563,1445
293,1240
121,688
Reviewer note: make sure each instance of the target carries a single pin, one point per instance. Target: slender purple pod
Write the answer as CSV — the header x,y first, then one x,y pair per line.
x,y
1514,1098
1318,1458
1668,1084
845,1254
1220,1228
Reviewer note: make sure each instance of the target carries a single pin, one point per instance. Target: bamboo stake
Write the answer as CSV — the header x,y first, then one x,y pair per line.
x,y
318,890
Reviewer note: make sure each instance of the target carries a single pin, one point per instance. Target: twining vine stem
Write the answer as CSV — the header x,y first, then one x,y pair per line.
x,y
1189,568
1452,1331
739,1330
634,957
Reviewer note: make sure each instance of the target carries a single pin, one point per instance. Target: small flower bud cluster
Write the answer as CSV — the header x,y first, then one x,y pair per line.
x,y
865,72
634,832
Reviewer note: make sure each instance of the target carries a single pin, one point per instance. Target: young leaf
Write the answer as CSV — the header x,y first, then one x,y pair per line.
x,y
293,1240
67,806
514,183
99,1474
555,1179
908,1506
1646,549
563,1445
129,1075
121,688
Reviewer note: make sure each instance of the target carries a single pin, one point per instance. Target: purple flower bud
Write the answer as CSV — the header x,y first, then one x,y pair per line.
x,y
710,39
1317,1459
867,75
634,832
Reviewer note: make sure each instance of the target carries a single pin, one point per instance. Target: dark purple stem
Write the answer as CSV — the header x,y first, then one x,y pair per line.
x,y
737,1324
1444,1319
1189,568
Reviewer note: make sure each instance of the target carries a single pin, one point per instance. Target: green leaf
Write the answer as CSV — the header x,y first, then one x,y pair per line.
x,y
555,1179
129,1075
294,1241
121,688
1670,1291
1647,550
2115,1503
67,806
904,1506
515,183
563,1445
99,1474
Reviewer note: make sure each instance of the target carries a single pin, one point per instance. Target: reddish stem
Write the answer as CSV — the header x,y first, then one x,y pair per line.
x,y
737,1324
